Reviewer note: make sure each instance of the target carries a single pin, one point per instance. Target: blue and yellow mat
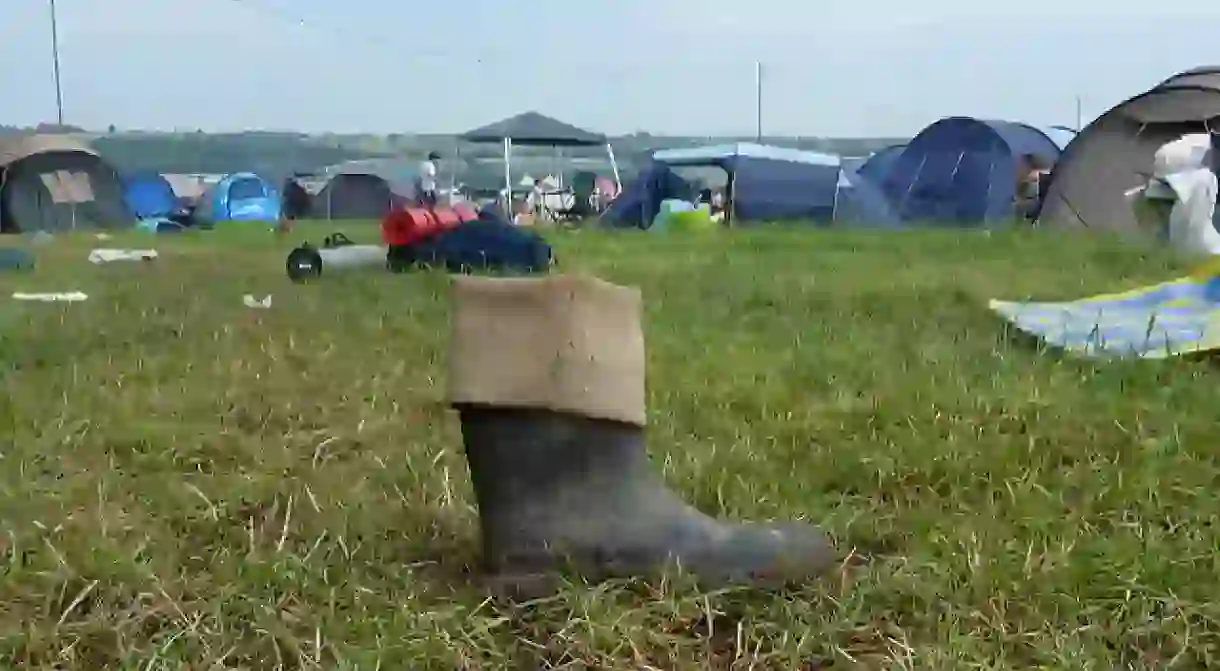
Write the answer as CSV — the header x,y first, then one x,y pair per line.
x,y
1156,322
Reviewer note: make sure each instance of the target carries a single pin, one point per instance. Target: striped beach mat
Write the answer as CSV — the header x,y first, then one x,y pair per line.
x,y
1155,322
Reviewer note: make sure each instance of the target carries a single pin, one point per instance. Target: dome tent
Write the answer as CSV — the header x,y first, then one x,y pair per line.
x,y
58,183
241,196
1115,154
149,195
960,170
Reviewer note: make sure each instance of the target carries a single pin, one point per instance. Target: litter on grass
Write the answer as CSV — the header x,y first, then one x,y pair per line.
x,y
110,255
68,297
259,303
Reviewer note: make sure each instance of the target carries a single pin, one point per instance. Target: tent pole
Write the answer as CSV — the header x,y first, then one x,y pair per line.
x,y
618,185
59,91
758,101
508,179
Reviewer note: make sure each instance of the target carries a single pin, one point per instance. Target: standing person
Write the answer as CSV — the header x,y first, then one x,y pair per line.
x,y
536,199
296,199
427,179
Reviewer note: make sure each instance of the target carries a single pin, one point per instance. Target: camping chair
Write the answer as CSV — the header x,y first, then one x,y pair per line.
x,y
582,200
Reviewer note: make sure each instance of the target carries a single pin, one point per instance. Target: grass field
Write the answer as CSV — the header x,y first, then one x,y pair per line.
x,y
192,484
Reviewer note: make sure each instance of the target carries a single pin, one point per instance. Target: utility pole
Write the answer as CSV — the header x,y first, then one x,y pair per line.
x,y
1079,114
758,100
59,92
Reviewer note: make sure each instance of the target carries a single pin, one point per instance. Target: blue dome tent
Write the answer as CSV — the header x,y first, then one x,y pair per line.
x,y
862,204
963,171
148,194
242,196
641,198
767,183
151,198
879,163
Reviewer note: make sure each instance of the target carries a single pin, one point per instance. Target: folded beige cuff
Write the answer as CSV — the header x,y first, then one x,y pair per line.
x,y
565,343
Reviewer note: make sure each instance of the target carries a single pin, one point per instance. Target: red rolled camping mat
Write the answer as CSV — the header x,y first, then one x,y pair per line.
x,y
465,212
408,225
446,218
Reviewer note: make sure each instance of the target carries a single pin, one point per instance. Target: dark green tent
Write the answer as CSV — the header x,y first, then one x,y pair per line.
x,y
58,183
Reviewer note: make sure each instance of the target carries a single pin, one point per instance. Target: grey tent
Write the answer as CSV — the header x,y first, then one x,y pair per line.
x,y
353,196
364,189
58,183
537,130
1113,155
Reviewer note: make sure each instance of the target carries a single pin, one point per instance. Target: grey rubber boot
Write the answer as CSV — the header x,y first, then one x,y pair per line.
x,y
556,489
548,377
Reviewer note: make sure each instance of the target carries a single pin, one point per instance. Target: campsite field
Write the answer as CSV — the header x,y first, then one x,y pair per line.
x,y
191,483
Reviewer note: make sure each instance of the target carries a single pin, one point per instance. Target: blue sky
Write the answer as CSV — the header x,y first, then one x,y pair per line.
x,y
884,67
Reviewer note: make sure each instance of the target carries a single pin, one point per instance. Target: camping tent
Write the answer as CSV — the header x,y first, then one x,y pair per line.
x,y
861,201
189,188
365,188
963,171
532,129
766,183
149,195
1113,155
354,196
879,163
57,183
862,204
641,198
242,196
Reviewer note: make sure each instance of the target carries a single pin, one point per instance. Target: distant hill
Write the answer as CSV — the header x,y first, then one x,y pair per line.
x,y
278,154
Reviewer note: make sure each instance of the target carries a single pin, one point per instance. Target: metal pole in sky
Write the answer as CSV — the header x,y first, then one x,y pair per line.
x,y
59,93
758,100
1079,114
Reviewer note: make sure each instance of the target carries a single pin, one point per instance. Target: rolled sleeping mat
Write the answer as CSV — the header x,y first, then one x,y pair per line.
x,y
307,262
465,212
408,225
446,218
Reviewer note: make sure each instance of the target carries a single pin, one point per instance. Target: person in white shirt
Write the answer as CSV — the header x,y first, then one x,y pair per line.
x,y
427,180
536,199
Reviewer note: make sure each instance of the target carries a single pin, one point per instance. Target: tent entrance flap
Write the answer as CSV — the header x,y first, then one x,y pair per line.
x,y
68,187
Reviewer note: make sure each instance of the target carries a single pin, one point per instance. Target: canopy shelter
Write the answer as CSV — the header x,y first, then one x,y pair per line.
x,y
531,129
1114,156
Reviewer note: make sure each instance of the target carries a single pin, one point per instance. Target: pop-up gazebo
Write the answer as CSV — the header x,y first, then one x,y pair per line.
x,y
532,129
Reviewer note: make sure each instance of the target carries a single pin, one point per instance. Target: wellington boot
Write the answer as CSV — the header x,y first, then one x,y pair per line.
x,y
548,377
555,489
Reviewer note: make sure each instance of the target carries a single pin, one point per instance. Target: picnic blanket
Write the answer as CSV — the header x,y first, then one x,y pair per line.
x,y
1155,322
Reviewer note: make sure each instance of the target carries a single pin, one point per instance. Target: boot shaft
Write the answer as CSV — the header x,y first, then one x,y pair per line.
x,y
564,343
